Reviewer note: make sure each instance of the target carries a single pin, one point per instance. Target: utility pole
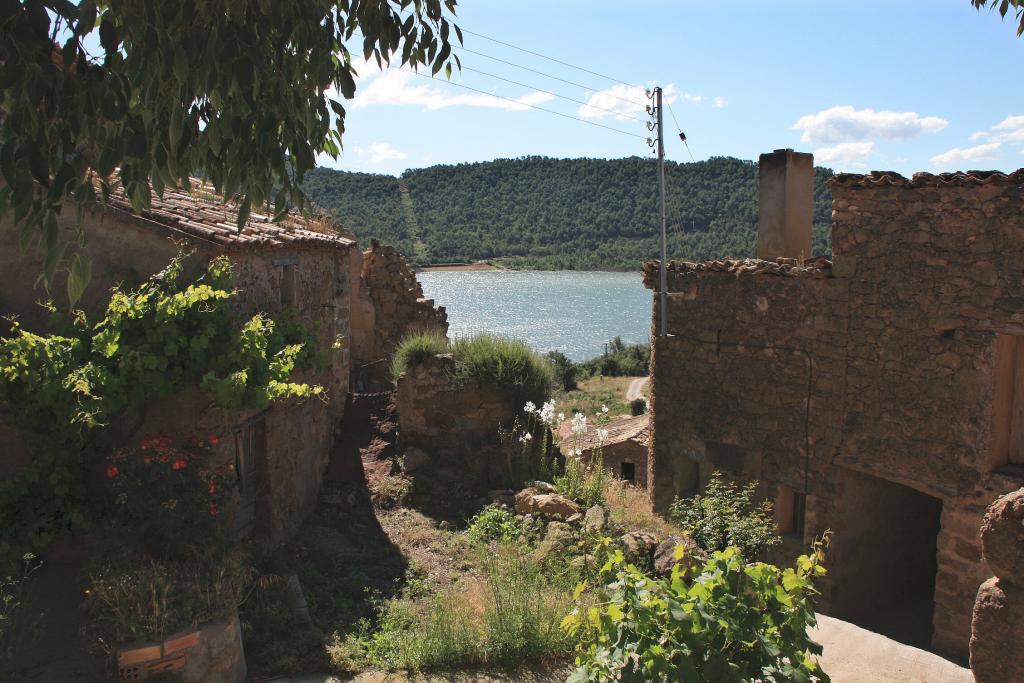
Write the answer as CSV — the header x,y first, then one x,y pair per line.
x,y
663,270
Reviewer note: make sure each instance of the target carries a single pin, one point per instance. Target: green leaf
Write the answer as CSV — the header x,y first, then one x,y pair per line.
x,y
78,277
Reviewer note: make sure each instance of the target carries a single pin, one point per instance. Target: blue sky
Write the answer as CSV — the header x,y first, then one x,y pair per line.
x,y
912,85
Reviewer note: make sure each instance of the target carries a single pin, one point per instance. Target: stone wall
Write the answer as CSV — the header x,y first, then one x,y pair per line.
x,y
868,382
456,425
391,306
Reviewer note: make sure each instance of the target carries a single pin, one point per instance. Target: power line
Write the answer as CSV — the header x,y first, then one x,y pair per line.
x,y
543,56
553,94
524,104
680,129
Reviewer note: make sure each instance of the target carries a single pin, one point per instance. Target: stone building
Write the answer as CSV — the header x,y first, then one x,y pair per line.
x,y
879,395
307,266
624,449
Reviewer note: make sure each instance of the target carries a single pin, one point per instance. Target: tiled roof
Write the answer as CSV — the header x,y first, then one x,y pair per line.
x,y
819,266
876,178
200,214
619,430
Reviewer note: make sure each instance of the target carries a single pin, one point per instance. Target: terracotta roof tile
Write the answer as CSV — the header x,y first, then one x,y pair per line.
x,y
876,178
193,215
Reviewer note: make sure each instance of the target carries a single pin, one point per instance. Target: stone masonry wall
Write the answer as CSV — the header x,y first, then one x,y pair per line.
x,y
457,425
882,365
395,304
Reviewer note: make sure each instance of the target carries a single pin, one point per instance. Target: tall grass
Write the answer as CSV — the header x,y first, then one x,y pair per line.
x,y
509,616
507,364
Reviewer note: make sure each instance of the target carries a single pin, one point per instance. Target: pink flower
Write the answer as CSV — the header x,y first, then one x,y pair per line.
x,y
112,472
179,464
214,439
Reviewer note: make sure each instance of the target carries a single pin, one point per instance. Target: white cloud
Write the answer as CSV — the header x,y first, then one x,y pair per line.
x,y
396,86
719,102
845,154
846,124
379,152
623,101
956,157
1010,129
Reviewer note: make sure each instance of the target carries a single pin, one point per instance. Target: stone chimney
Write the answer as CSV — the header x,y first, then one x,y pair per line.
x,y
786,204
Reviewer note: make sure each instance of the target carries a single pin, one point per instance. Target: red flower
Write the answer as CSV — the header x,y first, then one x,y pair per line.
x,y
214,510
214,439
212,488
112,472
179,464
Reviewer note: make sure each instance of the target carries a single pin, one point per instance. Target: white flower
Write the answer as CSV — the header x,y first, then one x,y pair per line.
x,y
547,412
561,417
527,437
602,435
529,407
604,409
578,452
579,423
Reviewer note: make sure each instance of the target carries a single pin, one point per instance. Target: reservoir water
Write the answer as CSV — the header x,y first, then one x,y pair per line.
x,y
570,311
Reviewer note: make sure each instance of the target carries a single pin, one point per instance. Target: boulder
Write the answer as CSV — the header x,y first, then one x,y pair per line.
x,y
995,633
576,519
638,547
528,501
543,487
594,520
506,497
557,540
524,501
664,556
414,459
1002,537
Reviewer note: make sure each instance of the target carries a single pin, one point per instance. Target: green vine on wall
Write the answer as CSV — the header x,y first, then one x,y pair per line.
x,y
152,341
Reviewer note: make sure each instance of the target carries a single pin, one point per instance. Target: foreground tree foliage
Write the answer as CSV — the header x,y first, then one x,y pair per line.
x,y
1003,7
146,93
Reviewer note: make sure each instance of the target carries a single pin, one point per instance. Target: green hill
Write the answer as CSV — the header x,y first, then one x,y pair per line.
x,y
537,212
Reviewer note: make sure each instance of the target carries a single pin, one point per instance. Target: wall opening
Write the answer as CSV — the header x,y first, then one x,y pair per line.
x,y
1008,401
790,510
628,472
883,562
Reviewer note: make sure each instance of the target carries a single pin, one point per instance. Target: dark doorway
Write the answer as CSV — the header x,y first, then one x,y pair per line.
x,y
883,563
629,472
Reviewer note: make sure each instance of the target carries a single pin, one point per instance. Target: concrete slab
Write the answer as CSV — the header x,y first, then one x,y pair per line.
x,y
855,655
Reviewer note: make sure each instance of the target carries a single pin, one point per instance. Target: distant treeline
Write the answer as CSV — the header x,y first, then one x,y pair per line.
x,y
619,360
537,212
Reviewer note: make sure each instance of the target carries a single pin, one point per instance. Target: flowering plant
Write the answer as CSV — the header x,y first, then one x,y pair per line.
x,y
168,497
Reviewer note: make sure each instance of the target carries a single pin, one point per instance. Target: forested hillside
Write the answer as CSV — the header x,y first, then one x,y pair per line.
x,y
557,213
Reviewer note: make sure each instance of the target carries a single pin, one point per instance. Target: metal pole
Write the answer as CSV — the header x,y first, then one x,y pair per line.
x,y
663,271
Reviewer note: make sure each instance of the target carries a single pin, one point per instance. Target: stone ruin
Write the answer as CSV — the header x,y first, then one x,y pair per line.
x,y
878,394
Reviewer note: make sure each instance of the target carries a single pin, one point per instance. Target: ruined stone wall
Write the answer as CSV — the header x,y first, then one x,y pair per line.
x,y
456,425
808,378
392,306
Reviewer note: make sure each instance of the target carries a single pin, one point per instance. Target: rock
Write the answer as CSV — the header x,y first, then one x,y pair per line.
x,y
528,501
1002,537
664,556
414,459
445,525
995,633
638,546
554,505
524,501
576,519
543,487
594,520
557,540
506,497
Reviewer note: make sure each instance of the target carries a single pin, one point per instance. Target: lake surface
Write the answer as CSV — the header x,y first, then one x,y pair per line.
x,y
570,311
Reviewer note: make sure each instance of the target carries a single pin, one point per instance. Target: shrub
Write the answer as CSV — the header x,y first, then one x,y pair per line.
x,y
565,370
150,600
504,363
581,483
495,523
619,360
736,621
17,625
725,515
638,406
168,499
416,348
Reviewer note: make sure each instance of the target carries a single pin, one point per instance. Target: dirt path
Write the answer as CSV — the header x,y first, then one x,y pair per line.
x,y
636,387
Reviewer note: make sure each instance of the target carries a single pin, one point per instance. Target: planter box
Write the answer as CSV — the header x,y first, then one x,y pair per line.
x,y
212,652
